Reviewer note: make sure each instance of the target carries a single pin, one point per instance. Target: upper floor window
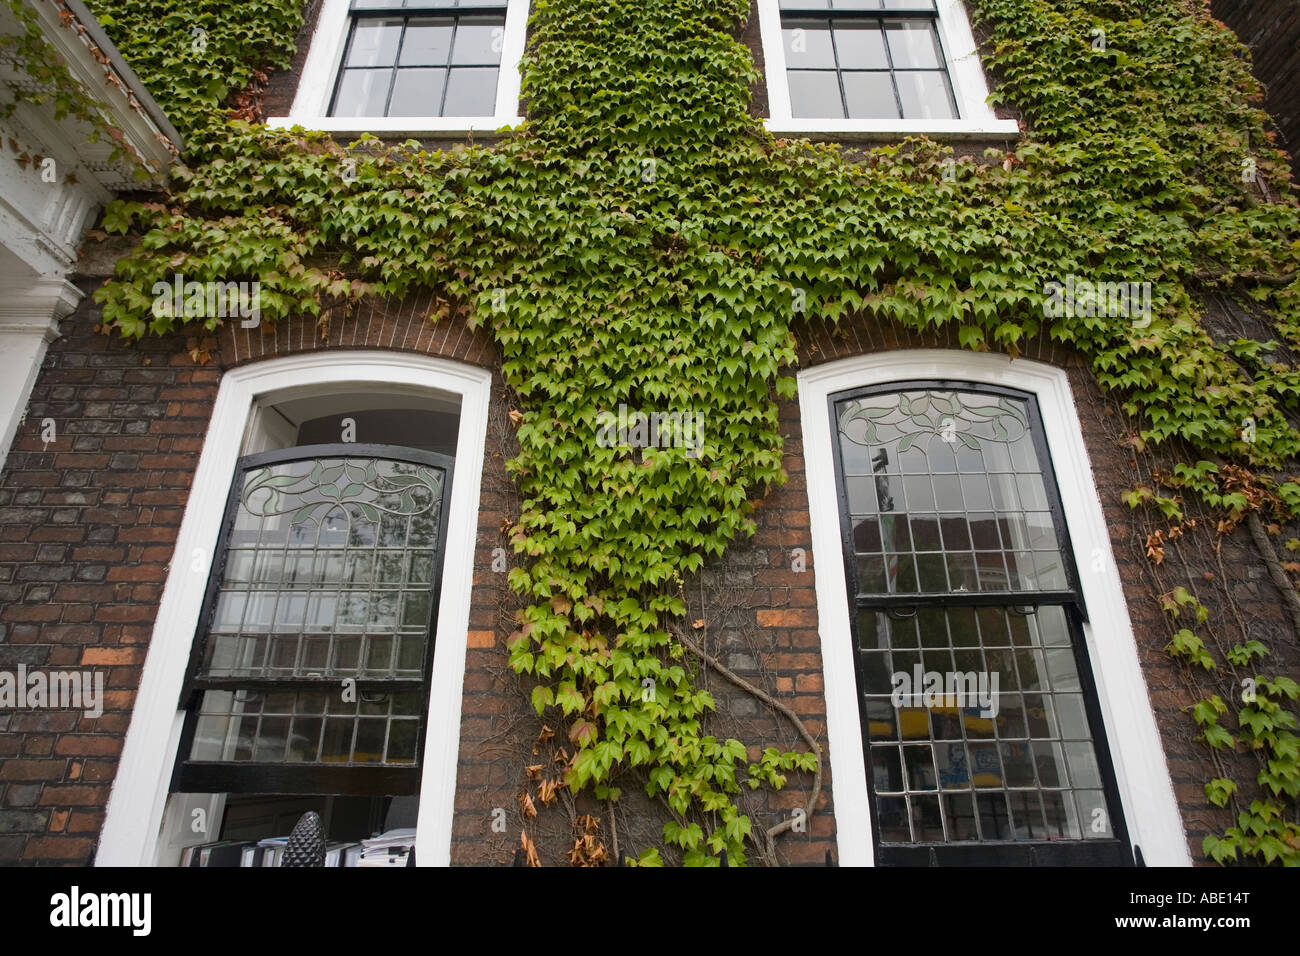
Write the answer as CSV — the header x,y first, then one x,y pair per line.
x,y
848,61
412,66
415,58
838,66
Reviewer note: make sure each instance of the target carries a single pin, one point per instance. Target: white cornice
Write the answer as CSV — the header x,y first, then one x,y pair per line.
x,y
38,306
123,102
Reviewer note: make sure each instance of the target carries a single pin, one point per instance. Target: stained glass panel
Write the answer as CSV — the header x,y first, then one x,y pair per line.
x,y
946,494
328,577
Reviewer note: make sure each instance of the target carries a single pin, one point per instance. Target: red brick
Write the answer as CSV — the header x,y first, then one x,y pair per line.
x,y
109,656
787,617
125,613
32,769
73,796
85,745
58,848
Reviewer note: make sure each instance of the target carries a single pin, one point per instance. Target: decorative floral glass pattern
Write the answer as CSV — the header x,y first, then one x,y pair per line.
x,y
945,493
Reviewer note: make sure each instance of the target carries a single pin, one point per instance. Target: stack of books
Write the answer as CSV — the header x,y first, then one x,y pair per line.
x,y
221,853
391,848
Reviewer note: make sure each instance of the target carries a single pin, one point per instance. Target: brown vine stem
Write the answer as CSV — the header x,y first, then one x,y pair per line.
x,y
1275,571
772,832
613,828
1263,278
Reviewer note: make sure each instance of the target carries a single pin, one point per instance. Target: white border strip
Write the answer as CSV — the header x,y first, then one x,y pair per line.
x,y
135,808
1146,791
963,62
325,54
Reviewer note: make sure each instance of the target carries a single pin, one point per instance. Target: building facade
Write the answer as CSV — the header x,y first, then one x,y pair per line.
x,y
949,596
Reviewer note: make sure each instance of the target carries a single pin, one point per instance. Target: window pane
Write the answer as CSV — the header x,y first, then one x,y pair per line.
x,y
362,93
471,91
815,94
981,702
478,41
913,44
417,93
859,45
374,42
979,520
963,722
870,96
807,44
925,95
427,42
349,611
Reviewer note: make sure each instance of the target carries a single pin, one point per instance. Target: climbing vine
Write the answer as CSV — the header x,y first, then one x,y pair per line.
x,y
643,242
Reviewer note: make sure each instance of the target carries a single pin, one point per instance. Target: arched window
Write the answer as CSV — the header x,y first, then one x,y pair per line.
x,y
309,649
958,539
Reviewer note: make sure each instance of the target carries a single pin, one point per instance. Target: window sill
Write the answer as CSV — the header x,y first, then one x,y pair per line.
x,y
860,130
486,127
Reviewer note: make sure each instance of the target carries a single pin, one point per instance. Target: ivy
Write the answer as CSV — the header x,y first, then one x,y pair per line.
x,y
197,55
643,242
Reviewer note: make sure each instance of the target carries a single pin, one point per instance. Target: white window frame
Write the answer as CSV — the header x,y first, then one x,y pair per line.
x,y
1141,772
130,836
961,57
324,59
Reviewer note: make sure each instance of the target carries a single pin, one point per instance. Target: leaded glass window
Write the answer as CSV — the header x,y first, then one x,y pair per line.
x,y
982,735
310,673
865,59
418,58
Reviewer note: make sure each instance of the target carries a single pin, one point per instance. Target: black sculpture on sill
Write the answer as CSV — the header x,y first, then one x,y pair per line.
x,y
306,846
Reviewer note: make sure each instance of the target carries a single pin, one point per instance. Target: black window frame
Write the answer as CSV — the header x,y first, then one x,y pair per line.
x,y
283,778
879,16
395,10
1116,850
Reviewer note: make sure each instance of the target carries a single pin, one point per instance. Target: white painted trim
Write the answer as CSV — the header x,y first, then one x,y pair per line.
x,y
29,322
977,118
325,55
1146,791
391,126
106,78
851,130
135,809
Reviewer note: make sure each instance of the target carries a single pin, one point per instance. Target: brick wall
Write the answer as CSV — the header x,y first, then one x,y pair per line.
x,y
88,525
1271,28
